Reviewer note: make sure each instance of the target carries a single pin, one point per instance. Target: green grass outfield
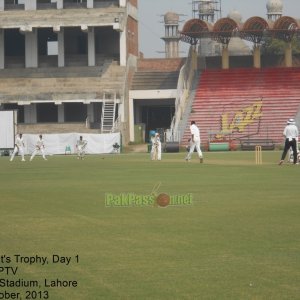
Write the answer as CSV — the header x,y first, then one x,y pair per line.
x,y
240,239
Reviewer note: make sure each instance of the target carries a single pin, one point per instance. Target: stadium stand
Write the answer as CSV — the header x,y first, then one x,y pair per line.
x,y
246,104
148,80
39,83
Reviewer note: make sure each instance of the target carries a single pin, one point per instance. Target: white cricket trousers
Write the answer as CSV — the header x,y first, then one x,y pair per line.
x,y
42,150
16,150
156,152
194,144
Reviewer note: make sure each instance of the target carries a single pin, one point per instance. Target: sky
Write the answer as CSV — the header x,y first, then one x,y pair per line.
x,y
151,26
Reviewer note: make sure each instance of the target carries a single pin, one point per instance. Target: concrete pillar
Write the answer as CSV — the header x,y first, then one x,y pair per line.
x,y
60,4
30,115
90,4
288,57
137,113
61,47
30,4
256,57
122,3
60,113
123,47
131,120
31,49
225,57
2,62
1,5
122,111
91,47
90,112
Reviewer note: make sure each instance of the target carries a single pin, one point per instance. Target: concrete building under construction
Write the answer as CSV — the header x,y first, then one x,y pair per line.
x,y
64,63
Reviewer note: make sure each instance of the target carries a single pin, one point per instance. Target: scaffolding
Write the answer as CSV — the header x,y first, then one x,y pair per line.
x,y
207,10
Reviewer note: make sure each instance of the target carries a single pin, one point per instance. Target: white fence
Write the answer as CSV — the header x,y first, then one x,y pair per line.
x,y
58,143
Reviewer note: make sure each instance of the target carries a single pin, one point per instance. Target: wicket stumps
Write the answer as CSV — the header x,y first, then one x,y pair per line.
x,y
258,155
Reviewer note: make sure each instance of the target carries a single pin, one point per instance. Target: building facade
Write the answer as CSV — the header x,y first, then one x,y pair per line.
x,y
63,64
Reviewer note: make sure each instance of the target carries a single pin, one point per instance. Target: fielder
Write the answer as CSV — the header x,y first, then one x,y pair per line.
x,y
19,147
156,147
80,146
39,147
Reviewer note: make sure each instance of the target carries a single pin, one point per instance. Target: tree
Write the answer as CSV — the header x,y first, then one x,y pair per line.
x,y
271,46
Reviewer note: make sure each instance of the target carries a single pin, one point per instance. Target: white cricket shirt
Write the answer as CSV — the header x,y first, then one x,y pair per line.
x,y
291,132
195,131
19,141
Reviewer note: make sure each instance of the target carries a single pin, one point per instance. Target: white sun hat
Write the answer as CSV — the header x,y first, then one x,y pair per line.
x,y
291,121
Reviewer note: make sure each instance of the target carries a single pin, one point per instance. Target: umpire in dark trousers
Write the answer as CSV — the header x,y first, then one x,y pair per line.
x,y
291,140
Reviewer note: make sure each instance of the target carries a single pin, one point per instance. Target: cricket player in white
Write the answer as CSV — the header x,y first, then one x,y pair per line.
x,y
19,147
80,146
195,142
291,134
156,147
39,147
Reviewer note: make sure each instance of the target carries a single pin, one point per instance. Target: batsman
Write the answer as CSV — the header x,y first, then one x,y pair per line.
x,y
156,147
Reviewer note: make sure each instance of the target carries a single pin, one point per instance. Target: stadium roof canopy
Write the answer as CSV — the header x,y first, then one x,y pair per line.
x,y
195,29
224,29
285,28
254,29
